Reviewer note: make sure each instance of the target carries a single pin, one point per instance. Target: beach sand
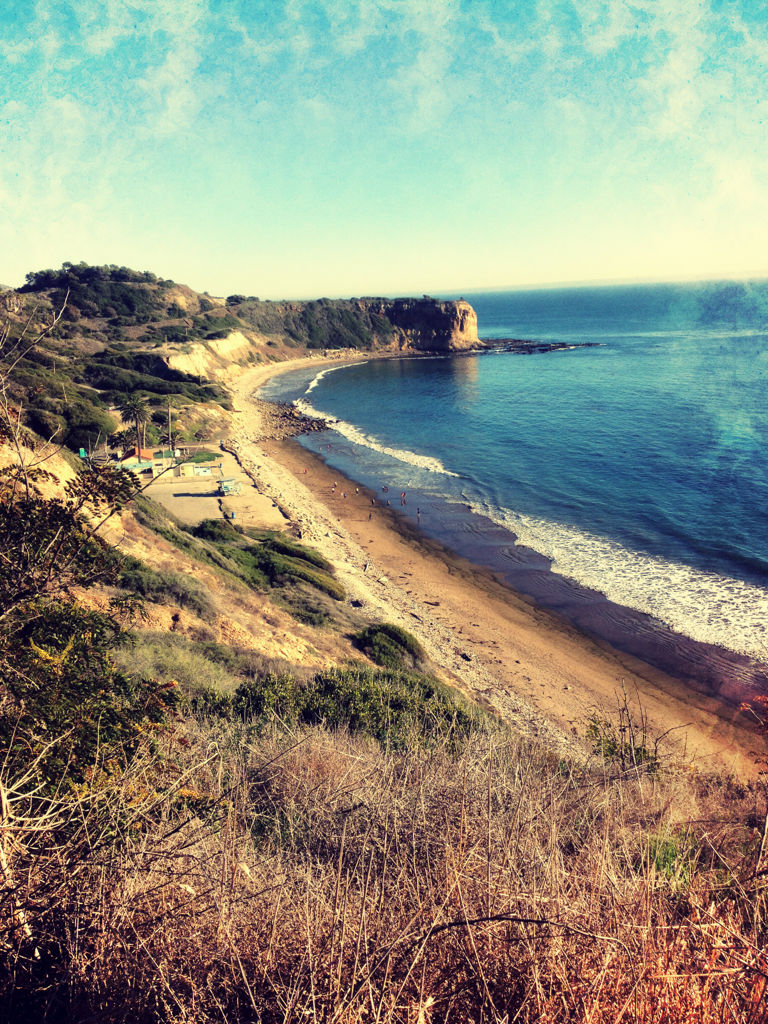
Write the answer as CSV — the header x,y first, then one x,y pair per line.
x,y
526,663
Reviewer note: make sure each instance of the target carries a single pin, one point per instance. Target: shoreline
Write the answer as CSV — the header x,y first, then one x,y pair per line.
x,y
539,672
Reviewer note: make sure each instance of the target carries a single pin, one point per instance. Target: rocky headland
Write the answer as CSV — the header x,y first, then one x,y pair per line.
x,y
427,325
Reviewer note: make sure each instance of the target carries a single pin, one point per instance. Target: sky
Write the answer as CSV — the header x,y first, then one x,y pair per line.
x,y
300,148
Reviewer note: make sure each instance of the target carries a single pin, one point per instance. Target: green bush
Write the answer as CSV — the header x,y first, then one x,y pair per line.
x,y
261,566
389,646
220,531
283,546
395,708
279,567
163,657
208,702
618,743
673,855
166,587
86,424
305,605
64,705
65,689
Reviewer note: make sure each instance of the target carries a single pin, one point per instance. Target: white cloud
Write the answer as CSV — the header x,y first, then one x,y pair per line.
x,y
429,38
355,24
606,25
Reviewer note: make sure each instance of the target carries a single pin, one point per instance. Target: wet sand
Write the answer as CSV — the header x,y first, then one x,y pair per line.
x,y
529,664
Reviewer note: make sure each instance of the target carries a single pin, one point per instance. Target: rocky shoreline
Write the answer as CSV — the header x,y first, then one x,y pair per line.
x,y
280,420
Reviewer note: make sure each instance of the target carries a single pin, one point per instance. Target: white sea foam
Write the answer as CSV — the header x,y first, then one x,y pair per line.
x,y
351,432
330,369
702,605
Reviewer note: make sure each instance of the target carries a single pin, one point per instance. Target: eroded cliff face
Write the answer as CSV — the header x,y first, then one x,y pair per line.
x,y
402,325
214,358
426,325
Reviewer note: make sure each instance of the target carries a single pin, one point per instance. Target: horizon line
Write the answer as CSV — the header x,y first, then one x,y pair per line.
x,y
746,277
752,276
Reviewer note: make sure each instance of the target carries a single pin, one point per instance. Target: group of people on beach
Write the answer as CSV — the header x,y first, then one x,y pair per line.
x,y
385,490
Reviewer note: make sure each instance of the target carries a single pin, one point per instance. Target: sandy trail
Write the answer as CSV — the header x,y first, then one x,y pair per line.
x,y
534,669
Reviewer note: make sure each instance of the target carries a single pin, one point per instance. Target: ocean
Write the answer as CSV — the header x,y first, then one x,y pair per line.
x,y
623,485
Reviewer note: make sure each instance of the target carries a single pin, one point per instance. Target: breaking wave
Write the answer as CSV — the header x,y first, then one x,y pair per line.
x,y
324,373
702,605
356,436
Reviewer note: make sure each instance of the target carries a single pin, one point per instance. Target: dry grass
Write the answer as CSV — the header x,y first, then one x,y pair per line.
x,y
315,877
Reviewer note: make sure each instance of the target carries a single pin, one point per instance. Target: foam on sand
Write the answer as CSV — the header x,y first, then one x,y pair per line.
x,y
702,605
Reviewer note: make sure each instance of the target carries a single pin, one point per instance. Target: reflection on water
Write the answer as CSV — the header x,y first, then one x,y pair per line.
x,y
464,371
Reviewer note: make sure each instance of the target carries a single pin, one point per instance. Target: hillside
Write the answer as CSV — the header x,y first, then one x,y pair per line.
x,y
249,777
121,332
262,807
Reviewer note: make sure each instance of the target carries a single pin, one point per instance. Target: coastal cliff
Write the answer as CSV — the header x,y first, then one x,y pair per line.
x,y
109,331
427,325
379,325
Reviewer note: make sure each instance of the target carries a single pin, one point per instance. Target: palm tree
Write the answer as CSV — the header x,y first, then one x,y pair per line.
x,y
137,411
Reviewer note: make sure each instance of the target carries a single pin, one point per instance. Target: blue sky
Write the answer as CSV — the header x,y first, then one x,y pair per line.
x,y
345,147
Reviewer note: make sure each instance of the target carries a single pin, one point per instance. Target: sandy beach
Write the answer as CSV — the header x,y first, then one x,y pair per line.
x,y
530,666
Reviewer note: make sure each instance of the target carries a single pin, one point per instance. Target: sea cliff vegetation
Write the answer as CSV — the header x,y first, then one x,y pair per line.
x,y
192,829
119,331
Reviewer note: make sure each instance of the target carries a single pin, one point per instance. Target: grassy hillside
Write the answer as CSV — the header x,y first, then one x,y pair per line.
x,y
109,325
115,329
110,331
198,825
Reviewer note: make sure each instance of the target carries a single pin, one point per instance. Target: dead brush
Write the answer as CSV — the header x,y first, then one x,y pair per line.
x,y
312,876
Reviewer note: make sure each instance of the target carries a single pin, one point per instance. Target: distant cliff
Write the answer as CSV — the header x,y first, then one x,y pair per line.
x,y
427,325
407,324
110,331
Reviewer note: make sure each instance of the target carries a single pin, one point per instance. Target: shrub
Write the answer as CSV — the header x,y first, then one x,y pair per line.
x,y
389,646
217,530
261,566
166,587
86,424
283,546
63,705
395,708
304,604
169,658
673,855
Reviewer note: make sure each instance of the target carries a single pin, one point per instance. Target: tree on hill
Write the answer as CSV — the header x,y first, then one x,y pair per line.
x,y
135,410
61,700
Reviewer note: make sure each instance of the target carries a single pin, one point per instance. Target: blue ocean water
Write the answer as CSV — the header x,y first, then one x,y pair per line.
x,y
633,471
